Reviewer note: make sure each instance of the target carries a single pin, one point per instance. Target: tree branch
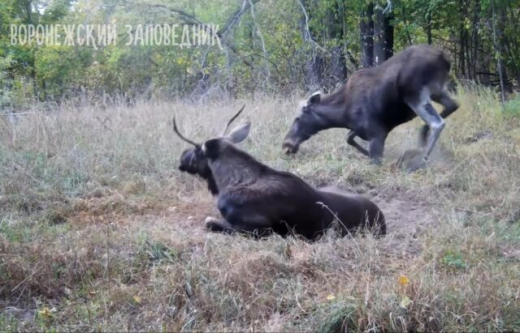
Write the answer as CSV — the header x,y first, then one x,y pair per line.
x,y
187,17
230,23
307,29
268,73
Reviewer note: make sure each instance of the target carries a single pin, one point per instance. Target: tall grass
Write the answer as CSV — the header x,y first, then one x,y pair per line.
x,y
99,231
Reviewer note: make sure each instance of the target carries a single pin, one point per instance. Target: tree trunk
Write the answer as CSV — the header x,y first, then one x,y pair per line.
x,y
338,69
335,28
429,27
384,37
475,62
314,63
379,37
462,42
389,35
498,47
366,29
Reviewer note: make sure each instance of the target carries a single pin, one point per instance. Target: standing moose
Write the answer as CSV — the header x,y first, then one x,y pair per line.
x,y
376,100
256,199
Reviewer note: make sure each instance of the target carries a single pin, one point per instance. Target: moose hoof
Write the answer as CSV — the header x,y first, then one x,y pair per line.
x,y
416,164
216,225
376,161
211,223
210,219
213,226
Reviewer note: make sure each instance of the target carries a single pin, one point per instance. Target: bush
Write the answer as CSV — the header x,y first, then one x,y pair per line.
x,y
512,107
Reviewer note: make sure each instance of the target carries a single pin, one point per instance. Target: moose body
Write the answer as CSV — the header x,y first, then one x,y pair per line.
x,y
376,100
256,199
265,200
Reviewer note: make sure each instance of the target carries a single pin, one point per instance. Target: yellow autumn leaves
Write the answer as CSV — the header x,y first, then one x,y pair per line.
x,y
404,281
46,313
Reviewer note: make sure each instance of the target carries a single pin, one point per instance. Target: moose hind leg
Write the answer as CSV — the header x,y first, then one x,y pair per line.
x,y
251,222
350,140
423,108
450,106
423,135
248,218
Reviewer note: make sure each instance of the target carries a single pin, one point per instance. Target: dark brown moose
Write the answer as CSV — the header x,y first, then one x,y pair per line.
x,y
376,100
256,199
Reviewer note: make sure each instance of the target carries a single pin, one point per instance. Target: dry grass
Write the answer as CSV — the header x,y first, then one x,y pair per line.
x,y
99,231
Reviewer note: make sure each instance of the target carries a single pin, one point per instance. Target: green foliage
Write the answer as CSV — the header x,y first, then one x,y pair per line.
x,y
5,82
512,107
266,49
157,252
56,11
454,260
8,323
339,317
55,66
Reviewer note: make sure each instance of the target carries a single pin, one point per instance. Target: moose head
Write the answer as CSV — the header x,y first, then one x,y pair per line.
x,y
305,125
195,160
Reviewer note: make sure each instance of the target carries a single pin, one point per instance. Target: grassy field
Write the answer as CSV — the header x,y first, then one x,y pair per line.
x,y
100,231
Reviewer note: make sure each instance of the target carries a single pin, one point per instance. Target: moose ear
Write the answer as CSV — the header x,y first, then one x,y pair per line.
x,y
239,133
314,99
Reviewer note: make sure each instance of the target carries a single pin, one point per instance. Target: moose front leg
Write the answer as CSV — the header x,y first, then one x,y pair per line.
x,y
216,225
377,144
350,140
436,125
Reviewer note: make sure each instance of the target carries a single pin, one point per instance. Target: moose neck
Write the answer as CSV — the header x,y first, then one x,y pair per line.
x,y
331,109
235,168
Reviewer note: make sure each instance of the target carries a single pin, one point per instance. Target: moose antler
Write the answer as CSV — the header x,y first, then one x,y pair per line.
x,y
231,120
176,130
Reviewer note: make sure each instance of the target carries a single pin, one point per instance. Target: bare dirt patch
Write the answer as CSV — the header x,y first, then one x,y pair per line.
x,y
190,216
405,212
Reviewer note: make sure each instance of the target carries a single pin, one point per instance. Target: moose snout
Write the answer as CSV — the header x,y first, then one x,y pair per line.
x,y
185,168
289,148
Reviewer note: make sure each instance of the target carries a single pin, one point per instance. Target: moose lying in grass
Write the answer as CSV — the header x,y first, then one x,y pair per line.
x,y
256,199
376,100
